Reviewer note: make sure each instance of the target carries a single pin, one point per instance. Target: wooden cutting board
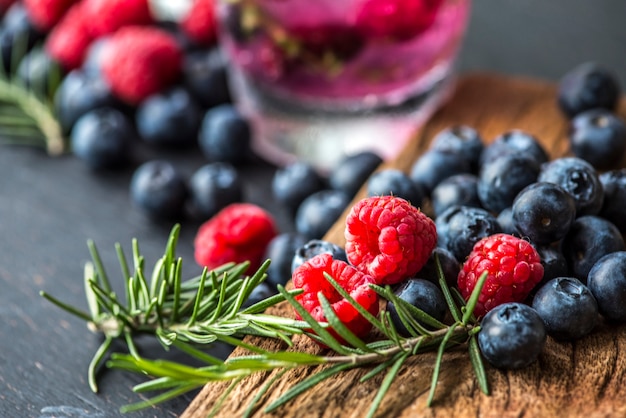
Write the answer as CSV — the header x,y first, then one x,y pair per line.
x,y
585,378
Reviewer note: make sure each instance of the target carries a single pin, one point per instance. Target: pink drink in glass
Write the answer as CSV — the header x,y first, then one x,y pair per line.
x,y
325,78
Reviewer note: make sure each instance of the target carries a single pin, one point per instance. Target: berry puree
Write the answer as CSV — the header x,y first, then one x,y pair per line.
x,y
364,53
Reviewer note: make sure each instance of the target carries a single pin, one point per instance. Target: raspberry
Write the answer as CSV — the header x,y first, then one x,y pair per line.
x,y
45,14
310,278
400,19
140,61
513,269
388,238
69,41
107,16
239,232
200,23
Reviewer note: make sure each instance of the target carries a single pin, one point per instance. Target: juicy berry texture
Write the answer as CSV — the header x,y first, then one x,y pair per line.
x,y
310,278
513,269
354,170
225,135
213,187
239,232
511,336
388,238
158,189
318,212
396,183
424,295
587,86
598,136
589,239
567,307
69,41
200,23
107,16
315,247
607,282
140,61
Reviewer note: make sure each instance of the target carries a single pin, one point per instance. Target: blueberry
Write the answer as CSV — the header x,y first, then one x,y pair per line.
x,y
353,171
434,166
205,76
294,183
449,267
598,137
515,141
553,262
461,139
505,220
102,138
460,189
281,251
225,135
579,179
568,309
460,227
607,282
543,212
170,118
315,247
512,336
213,187
422,294
589,239
95,55
40,72
17,36
159,190
614,186
501,179
261,292
318,212
79,93
587,86
396,183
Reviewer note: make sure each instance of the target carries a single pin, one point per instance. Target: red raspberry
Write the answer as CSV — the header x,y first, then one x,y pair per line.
x,y
200,24
45,14
513,267
399,19
310,278
107,16
388,238
239,232
139,61
69,41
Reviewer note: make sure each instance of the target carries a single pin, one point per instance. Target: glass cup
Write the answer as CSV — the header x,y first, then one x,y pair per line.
x,y
322,79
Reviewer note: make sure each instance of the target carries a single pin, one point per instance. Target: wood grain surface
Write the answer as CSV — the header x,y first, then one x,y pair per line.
x,y
584,378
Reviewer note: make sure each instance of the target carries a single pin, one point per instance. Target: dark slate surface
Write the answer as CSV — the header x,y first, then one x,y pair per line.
x,y
49,207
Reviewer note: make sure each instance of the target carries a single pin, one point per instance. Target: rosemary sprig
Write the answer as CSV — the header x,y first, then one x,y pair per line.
x,y
187,313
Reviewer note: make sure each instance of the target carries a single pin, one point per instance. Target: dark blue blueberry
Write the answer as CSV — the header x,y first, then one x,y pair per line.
x,y
460,227
598,137
294,183
505,220
424,295
213,187
94,56
614,186
461,139
568,309
170,119
460,189
553,262
512,336
204,75
353,171
261,292
318,212
543,212
225,135
579,179
587,86
517,142
315,247
607,282
281,251
589,239
449,267
434,166
17,36
501,179
80,93
396,183
159,190
40,72
103,138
